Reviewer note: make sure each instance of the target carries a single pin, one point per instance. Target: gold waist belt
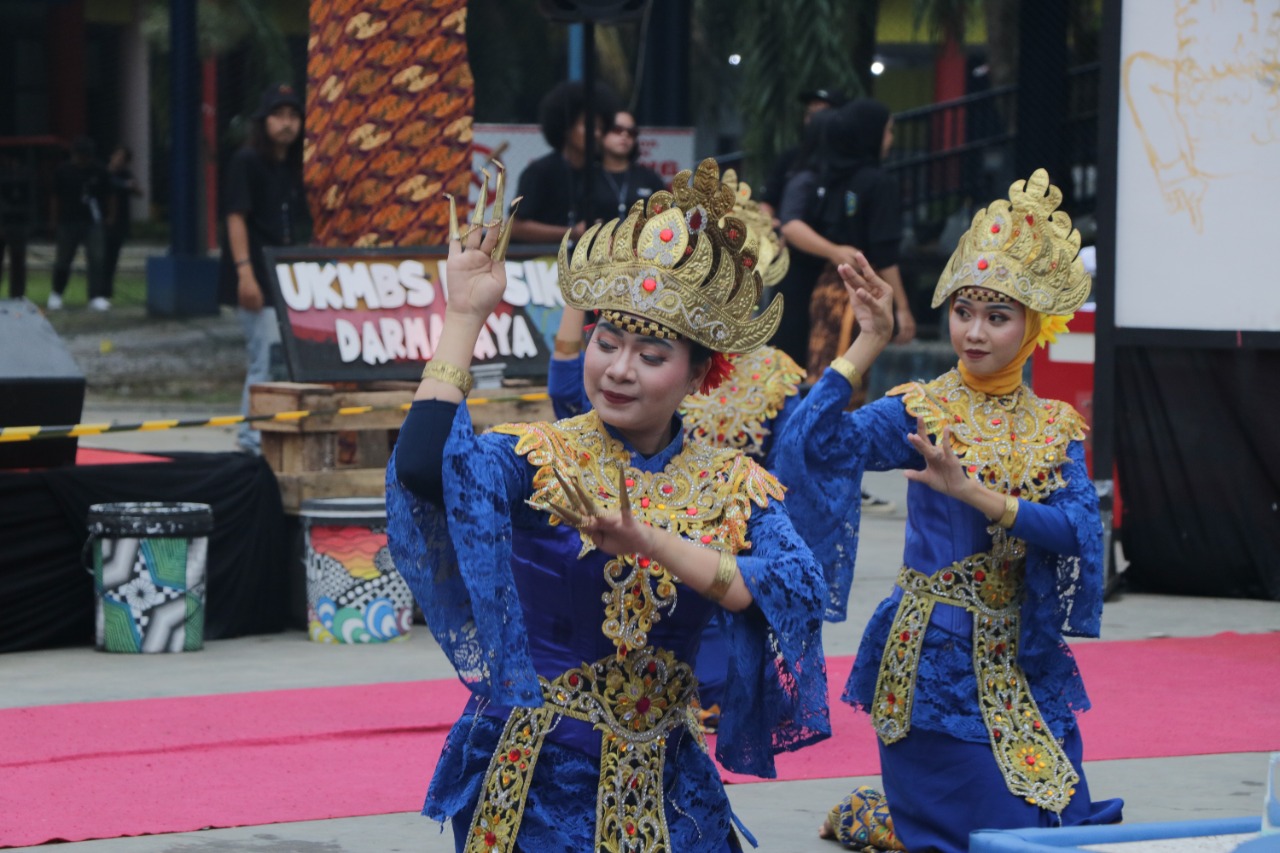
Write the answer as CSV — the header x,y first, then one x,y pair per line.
x,y
634,703
1031,760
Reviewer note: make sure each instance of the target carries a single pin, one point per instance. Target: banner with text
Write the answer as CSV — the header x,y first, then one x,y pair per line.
x,y
357,315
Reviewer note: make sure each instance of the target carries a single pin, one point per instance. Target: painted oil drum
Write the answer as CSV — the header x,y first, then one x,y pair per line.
x,y
354,593
149,565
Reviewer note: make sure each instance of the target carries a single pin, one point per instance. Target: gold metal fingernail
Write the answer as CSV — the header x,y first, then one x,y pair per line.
x,y
477,215
454,233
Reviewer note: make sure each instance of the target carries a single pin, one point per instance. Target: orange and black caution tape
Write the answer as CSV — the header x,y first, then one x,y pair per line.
x,y
31,433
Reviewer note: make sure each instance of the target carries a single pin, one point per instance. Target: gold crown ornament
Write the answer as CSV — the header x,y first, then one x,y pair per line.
x,y
679,265
774,260
1024,248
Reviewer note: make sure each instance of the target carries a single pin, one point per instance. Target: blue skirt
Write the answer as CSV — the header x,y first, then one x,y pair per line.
x,y
940,789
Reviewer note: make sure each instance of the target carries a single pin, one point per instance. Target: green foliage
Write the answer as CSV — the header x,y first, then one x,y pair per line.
x,y
788,46
224,26
941,17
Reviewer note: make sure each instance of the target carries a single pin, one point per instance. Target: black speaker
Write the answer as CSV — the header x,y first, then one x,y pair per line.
x,y
40,384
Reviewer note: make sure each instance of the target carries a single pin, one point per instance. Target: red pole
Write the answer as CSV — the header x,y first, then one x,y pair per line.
x,y
209,134
67,40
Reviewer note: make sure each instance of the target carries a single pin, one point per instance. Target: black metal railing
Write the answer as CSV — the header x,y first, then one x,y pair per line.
x,y
952,155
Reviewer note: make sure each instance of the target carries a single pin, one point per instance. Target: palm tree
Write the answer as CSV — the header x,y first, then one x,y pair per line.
x,y
786,46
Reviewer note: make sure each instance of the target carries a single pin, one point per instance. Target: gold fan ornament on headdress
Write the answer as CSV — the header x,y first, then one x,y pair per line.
x,y
679,265
774,258
1023,248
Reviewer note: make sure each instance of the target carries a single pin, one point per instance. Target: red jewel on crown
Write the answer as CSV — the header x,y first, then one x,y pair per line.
x,y
666,235
649,285
982,263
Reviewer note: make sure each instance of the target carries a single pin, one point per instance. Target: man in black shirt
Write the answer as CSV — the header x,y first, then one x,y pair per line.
x,y
552,185
265,205
81,205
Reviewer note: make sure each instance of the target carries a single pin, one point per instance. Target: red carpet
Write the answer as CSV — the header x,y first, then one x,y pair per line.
x,y
109,769
97,456
1151,699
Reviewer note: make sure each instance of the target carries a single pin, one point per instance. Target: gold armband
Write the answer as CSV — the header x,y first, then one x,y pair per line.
x,y
449,374
1010,512
564,347
848,370
726,571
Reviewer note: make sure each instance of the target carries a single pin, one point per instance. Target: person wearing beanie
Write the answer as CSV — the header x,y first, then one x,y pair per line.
x,y
264,204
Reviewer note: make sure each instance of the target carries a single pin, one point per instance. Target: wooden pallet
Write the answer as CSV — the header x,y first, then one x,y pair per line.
x,y
345,456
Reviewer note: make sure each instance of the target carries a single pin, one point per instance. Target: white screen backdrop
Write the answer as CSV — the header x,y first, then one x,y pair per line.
x,y
1197,226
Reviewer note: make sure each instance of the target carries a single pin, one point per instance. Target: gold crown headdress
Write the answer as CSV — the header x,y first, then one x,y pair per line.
x,y
680,263
1024,248
774,260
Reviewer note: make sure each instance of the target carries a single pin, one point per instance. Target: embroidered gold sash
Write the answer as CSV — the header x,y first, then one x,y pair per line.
x,y
988,585
634,703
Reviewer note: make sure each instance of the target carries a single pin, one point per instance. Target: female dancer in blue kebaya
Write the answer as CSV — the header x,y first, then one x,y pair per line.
x,y
549,558
971,687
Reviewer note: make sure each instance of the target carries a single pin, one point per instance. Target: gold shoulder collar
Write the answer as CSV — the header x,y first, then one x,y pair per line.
x,y
1016,444
704,494
737,413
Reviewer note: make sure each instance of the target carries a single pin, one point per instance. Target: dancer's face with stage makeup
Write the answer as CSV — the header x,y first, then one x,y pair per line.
x,y
987,335
636,383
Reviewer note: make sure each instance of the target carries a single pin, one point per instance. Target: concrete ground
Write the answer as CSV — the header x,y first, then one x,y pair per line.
x,y
784,816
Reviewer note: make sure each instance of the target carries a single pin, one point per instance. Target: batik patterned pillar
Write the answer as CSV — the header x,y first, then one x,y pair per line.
x,y
389,105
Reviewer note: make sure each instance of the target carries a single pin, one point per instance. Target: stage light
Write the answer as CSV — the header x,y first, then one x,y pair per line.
x,y
735,58
877,68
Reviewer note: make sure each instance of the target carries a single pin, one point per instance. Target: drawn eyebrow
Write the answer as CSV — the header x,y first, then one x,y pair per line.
x,y
605,325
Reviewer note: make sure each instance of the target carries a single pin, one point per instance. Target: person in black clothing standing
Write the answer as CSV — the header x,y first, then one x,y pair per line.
x,y
81,205
623,181
552,185
840,205
815,101
16,194
265,205
123,187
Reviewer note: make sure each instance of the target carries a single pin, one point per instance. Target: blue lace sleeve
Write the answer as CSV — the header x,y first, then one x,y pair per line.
x,y
564,387
1067,590
1064,593
776,690
820,453
457,561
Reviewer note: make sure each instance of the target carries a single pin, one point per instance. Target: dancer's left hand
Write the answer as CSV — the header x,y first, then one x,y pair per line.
x,y
614,532
942,472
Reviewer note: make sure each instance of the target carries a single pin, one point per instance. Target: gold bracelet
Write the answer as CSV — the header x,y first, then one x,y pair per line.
x,y
564,347
1010,512
726,570
847,369
450,374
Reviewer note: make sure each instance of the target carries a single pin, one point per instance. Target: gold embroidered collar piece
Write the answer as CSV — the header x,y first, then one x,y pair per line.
x,y
704,494
1015,444
735,414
